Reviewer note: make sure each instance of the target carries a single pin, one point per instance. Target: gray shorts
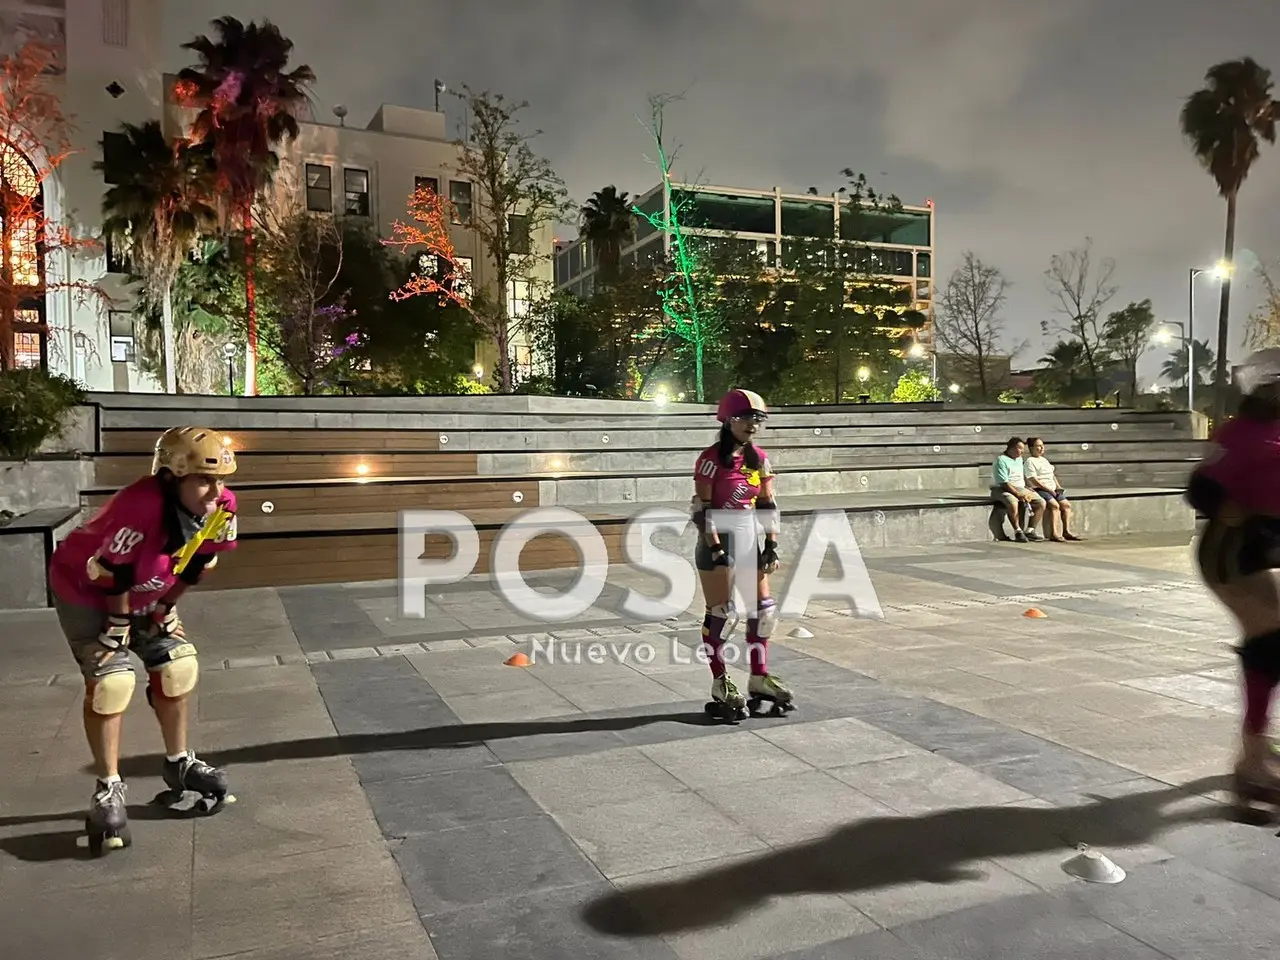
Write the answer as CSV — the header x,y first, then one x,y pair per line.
x,y
82,626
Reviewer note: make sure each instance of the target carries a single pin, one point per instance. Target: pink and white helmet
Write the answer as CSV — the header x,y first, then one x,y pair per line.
x,y
1260,369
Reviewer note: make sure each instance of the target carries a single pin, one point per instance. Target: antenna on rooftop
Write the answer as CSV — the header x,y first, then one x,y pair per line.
x,y
341,113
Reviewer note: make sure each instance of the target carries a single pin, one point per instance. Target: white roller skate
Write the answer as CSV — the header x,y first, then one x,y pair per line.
x,y
767,688
726,702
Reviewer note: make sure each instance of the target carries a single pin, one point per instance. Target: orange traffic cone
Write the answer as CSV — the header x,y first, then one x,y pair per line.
x,y
518,660
1035,613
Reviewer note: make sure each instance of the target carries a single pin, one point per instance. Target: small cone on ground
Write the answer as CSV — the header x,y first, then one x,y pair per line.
x,y
518,660
1035,613
800,633
1093,867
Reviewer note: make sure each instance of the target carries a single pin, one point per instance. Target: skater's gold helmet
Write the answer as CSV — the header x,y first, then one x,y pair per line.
x,y
184,451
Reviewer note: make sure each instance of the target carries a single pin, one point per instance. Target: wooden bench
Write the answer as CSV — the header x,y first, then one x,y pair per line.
x,y
288,440
118,469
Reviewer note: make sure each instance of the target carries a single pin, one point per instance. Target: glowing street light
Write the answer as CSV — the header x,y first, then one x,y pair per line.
x,y
864,374
954,388
917,350
1222,270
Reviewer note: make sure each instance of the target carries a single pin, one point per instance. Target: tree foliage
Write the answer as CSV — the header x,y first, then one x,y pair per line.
x,y
1126,337
1082,290
970,324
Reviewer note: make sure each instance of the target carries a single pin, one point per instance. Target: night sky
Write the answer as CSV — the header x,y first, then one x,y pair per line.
x,y
1031,124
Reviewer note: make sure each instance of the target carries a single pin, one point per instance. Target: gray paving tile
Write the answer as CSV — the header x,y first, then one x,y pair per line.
x,y
738,757
922,782
1055,770
794,808
836,743
598,779
1188,912
655,833
393,705
70,922
294,899
539,926
698,932
542,739
439,801
975,882
330,673
375,766
1036,925
532,703
880,945
402,941
483,862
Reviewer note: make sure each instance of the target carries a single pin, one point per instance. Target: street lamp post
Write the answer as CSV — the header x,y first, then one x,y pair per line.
x,y
1164,337
1219,271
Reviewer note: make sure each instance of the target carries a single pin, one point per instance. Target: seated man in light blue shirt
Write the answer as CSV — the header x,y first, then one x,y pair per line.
x,y
1009,489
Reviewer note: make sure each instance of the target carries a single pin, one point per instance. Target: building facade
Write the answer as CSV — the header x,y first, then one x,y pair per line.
x,y
900,244
111,52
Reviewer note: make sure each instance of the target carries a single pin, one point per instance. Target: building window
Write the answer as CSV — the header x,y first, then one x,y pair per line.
x,y
115,158
924,265
518,239
463,285
924,290
115,23
319,188
428,183
123,345
356,187
24,254
518,299
29,342
460,197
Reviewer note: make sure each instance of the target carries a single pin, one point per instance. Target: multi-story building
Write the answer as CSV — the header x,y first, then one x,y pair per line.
x,y
900,243
112,54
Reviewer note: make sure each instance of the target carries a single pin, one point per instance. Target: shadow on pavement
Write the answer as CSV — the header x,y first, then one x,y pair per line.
x,y
65,844
943,847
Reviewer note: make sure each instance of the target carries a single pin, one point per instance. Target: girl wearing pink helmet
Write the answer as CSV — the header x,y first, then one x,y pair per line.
x,y
734,474
1237,486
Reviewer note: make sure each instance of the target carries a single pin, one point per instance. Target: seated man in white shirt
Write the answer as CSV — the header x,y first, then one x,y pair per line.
x,y
1010,496
1043,480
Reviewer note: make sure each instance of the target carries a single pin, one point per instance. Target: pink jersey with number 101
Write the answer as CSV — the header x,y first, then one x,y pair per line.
x,y
133,527
734,487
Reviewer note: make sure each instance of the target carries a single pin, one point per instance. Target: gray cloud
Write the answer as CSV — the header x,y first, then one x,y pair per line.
x,y
1030,123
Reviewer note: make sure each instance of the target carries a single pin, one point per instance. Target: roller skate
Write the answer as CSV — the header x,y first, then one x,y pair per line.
x,y
1256,783
726,703
107,823
766,688
193,775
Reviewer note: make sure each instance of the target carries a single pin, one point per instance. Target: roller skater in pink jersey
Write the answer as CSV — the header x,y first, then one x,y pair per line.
x,y
734,474
116,582
1237,487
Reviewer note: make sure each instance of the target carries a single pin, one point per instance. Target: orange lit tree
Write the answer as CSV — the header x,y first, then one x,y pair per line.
x,y
35,140
438,271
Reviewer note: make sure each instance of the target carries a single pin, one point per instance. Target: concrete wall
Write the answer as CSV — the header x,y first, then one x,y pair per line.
x,y
38,484
80,433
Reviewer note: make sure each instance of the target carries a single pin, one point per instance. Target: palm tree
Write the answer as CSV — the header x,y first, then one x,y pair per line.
x,y
608,223
1174,369
248,104
1224,123
156,212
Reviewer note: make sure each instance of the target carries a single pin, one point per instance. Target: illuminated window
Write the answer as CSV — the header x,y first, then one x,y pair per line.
x,y
460,197
430,183
26,349
24,257
517,299
123,346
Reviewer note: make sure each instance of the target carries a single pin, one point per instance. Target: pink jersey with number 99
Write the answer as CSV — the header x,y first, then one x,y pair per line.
x,y
734,487
137,528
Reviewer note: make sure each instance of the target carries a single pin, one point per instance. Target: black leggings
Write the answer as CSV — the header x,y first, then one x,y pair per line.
x,y
702,552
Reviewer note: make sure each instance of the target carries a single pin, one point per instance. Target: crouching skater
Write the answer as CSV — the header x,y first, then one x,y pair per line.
x,y
734,474
1237,487
116,582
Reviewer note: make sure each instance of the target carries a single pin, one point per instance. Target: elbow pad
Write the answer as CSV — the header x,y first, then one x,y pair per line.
x,y
700,508
770,519
113,579
196,567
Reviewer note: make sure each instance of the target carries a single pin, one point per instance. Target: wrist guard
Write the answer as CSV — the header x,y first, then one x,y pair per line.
x,y
700,518
116,633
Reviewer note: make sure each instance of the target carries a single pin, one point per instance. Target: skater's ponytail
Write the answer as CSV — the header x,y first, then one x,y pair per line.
x,y
724,449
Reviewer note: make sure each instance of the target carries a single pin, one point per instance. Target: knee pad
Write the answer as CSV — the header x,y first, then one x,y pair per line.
x,y
1262,655
726,612
176,677
766,618
110,694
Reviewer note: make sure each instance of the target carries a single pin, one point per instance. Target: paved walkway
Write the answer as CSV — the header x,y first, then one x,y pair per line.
x,y
405,795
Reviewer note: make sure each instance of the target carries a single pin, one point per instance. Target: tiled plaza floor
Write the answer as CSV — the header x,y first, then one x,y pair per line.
x,y
405,795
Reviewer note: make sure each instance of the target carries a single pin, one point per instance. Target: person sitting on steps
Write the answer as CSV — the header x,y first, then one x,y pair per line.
x,y
1043,481
1010,494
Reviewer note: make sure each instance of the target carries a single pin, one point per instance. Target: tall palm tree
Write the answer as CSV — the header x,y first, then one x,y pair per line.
x,y
1174,369
1224,122
248,104
607,222
156,212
